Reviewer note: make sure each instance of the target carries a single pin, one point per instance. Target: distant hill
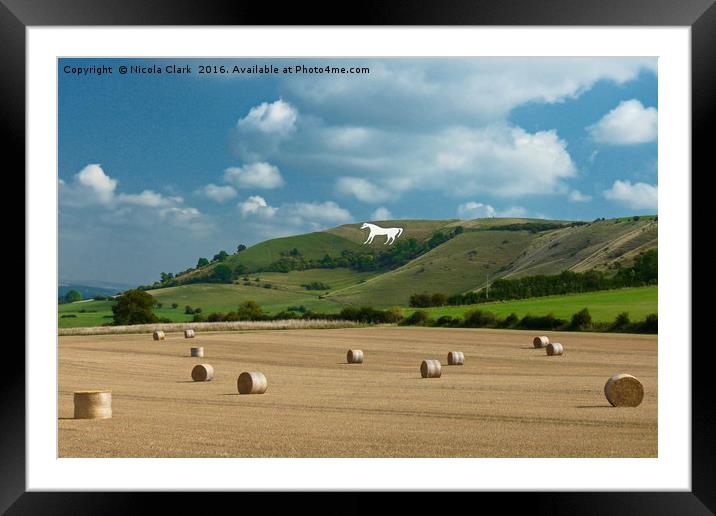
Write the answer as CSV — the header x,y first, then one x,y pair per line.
x,y
481,250
89,288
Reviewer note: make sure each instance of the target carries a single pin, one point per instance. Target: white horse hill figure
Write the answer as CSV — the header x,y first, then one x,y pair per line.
x,y
390,233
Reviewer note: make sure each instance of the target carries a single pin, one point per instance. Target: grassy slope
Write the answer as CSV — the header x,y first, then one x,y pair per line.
x,y
456,266
459,265
580,248
604,306
224,298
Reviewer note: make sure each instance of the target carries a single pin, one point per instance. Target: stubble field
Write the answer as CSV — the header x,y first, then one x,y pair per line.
x,y
508,400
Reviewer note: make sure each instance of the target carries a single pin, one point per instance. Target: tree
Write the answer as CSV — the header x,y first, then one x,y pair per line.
x,y
73,296
134,307
240,248
249,311
203,262
221,256
222,273
175,305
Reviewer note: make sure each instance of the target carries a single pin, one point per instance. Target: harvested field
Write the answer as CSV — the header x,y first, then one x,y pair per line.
x,y
508,400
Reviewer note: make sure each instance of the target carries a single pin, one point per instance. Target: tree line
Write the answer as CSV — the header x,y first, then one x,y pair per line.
x,y
644,271
136,307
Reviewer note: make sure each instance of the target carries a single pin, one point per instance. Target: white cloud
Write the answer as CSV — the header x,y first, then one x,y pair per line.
x,y
92,187
455,91
517,212
475,210
97,186
362,189
181,214
292,218
257,205
627,124
381,213
500,160
218,193
149,199
254,175
577,196
277,118
640,196
317,213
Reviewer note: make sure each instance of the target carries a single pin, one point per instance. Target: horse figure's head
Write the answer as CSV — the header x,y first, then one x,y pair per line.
x,y
365,226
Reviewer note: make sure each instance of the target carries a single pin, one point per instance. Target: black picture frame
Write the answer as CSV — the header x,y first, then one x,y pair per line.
x,y
700,15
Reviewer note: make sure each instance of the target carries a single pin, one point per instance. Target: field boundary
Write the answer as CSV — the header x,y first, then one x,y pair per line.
x,y
288,324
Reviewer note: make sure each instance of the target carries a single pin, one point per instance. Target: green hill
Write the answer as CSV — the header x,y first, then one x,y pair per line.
x,y
468,253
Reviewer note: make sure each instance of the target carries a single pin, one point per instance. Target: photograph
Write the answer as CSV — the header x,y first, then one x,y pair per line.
x,y
358,257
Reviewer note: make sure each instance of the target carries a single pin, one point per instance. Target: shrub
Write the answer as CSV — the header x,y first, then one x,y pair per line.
x,y
511,321
73,296
188,310
438,299
64,316
222,273
621,321
445,320
651,324
249,311
480,319
316,285
175,305
394,315
418,317
544,322
581,320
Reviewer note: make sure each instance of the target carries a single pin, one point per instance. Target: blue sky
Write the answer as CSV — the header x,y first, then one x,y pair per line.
x,y
157,170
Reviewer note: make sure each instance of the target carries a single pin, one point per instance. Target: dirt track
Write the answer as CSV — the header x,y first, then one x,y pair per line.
x,y
508,400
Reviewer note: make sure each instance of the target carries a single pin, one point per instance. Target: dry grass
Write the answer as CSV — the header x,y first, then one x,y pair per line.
x,y
289,324
506,401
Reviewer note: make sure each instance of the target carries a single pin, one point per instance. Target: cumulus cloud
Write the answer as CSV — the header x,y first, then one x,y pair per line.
x,y
504,161
94,186
218,193
264,128
293,217
362,189
277,117
256,205
629,123
640,196
577,196
475,210
381,213
149,199
254,175
455,91
317,213
91,186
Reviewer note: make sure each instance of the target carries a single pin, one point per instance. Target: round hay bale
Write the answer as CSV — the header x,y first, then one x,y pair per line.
x,y
456,358
540,342
354,356
158,335
202,373
188,334
197,352
430,369
93,404
555,349
624,390
252,383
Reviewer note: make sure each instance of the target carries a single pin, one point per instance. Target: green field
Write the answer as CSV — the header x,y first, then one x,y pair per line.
x,y
486,250
604,305
286,291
